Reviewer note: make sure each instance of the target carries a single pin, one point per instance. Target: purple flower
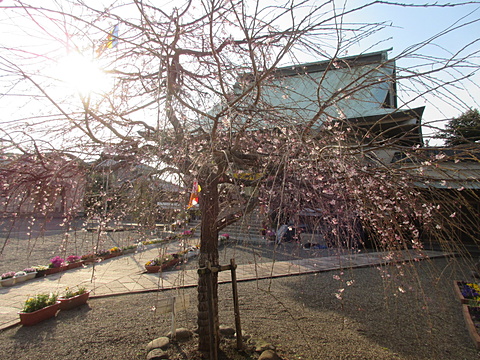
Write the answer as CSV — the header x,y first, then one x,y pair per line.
x,y
56,262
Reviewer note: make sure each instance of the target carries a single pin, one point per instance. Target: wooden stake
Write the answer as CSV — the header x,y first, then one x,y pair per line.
x,y
211,313
236,308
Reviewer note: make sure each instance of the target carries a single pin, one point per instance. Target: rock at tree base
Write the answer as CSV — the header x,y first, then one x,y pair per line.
x,y
157,354
181,334
159,343
269,355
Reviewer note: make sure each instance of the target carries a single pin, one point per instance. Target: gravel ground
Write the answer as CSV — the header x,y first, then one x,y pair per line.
x,y
300,315
404,311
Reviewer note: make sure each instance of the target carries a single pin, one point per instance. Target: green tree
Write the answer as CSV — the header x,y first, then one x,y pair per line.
x,y
464,129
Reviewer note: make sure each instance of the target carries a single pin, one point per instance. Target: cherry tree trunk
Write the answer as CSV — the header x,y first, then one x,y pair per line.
x,y
208,293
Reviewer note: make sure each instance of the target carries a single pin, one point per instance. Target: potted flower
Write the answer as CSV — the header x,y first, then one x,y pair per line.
x,y
73,298
31,273
38,308
7,279
162,263
224,237
56,265
20,276
73,261
114,251
187,233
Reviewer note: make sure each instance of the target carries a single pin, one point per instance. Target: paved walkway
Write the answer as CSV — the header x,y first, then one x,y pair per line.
x,y
126,274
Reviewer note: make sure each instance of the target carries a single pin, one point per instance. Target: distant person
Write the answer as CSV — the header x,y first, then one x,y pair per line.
x,y
282,230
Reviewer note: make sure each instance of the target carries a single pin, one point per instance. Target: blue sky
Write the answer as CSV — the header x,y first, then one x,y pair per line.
x,y
414,25
407,26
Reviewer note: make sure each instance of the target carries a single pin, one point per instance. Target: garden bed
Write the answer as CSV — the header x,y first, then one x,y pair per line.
x,y
472,320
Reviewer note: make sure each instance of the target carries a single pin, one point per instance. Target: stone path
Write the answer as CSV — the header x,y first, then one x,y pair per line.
x,y
126,274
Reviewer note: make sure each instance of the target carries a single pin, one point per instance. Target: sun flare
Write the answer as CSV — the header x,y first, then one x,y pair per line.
x,y
82,74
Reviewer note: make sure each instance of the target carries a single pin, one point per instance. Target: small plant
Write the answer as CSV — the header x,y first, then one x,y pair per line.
x,y
30,270
69,293
56,262
115,249
8,275
38,302
20,273
73,259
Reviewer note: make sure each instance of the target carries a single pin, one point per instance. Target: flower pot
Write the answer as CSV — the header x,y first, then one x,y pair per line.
x,y
73,302
74,265
7,282
51,271
89,261
170,264
28,319
21,278
152,268
31,275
